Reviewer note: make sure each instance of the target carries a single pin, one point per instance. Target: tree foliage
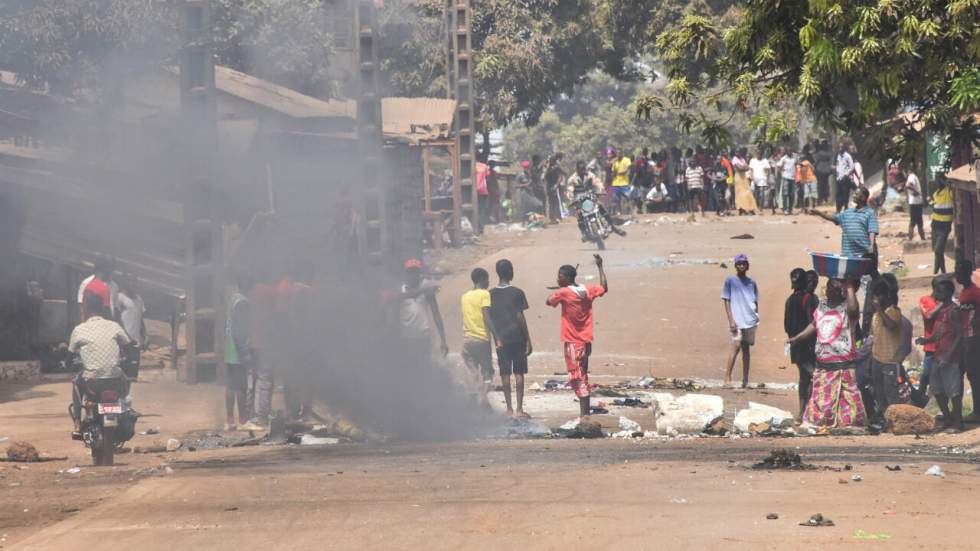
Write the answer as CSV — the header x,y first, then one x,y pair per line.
x,y
73,45
851,65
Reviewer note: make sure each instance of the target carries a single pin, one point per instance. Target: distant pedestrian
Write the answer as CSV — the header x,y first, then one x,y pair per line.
x,y
787,171
942,223
507,306
576,326
845,174
238,355
946,379
740,296
694,176
797,316
913,192
808,183
478,327
760,168
835,401
824,166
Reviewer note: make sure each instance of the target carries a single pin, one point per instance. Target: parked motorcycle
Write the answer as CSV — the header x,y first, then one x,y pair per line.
x,y
107,418
592,221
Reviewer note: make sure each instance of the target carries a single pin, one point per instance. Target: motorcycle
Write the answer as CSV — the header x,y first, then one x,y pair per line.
x,y
107,419
592,221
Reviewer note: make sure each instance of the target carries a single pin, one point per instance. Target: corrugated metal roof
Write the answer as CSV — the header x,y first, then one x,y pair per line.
x,y
417,119
279,98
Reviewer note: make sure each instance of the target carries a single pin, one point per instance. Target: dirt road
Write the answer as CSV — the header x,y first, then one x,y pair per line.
x,y
662,317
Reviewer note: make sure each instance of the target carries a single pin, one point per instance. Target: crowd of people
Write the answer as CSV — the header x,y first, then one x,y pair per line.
x,y
694,180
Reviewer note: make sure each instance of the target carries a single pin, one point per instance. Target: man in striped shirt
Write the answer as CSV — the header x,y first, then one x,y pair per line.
x,y
859,226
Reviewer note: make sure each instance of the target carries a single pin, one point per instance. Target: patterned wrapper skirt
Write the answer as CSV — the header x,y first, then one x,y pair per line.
x,y
836,399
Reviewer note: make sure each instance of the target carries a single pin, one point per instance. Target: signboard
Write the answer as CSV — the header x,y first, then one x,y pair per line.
x,y
937,155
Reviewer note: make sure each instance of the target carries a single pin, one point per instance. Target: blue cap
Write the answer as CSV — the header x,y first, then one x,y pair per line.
x,y
741,257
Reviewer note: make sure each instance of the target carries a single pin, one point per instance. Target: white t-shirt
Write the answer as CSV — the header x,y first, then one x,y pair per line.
x,y
414,316
913,184
131,312
759,167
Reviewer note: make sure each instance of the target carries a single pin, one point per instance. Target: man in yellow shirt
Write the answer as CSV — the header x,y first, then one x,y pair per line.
x,y
942,222
478,327
621,188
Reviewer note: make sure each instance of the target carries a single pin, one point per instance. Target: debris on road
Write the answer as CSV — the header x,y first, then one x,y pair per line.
x,y
156,447
893,468
173,445
935,470
71,470
784,459
758,413
907,419
630,403
627,424
23,452
743,236
581,429
688,414
857,478
817,520
310,440
772,516
862,535
150,432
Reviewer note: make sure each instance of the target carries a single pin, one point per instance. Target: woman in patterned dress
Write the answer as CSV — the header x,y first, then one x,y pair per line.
x,y
835,402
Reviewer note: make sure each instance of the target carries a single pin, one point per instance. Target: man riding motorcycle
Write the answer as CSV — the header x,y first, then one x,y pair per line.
x,y
581,183
98,341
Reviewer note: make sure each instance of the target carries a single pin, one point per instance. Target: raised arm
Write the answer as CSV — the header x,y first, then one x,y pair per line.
x,y
853,308
824,215
602,273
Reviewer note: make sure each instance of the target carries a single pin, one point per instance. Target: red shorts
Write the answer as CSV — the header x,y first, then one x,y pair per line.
x,y
577,363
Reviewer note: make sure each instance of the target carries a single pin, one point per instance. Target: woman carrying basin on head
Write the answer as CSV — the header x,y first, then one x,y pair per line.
x,y
835,401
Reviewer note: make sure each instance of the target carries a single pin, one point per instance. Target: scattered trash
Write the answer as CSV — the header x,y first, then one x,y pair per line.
x,y
168,470
173,445
23,451
862,535
678,500
723,265
71,470
70,509
587,429
817,520
627,424
630,403
743,236
310,440
598,410
893,468
535,387
229,509
784,459
772,516
923,266
570,425
153,448
688,414
857,478
935,470
150,432
642,382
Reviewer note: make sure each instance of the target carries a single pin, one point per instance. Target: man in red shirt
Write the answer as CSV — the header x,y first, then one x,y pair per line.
x,y
969,307
576,326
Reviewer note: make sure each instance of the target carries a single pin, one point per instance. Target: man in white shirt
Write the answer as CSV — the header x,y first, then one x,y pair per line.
x,y
131,310
787,167
759,168
845,172
913,190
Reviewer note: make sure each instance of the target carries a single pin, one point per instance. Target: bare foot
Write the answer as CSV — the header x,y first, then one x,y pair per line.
x,y
522,414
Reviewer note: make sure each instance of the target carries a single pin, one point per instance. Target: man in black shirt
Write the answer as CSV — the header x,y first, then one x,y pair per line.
x,y
507,305
798,316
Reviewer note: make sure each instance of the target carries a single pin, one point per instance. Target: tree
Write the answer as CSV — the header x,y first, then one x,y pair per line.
x,y
69,46
851,65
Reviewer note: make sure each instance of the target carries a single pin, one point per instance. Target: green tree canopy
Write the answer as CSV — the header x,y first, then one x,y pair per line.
x,y
851,65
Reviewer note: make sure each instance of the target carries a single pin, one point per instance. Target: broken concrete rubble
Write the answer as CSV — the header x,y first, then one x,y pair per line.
x,y
689,414
757,414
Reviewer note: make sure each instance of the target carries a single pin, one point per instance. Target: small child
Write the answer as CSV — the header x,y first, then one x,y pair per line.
x,y
946,379
576,326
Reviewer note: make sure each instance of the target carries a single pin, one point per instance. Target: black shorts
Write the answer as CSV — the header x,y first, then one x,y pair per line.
x,y
512,358
915,214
